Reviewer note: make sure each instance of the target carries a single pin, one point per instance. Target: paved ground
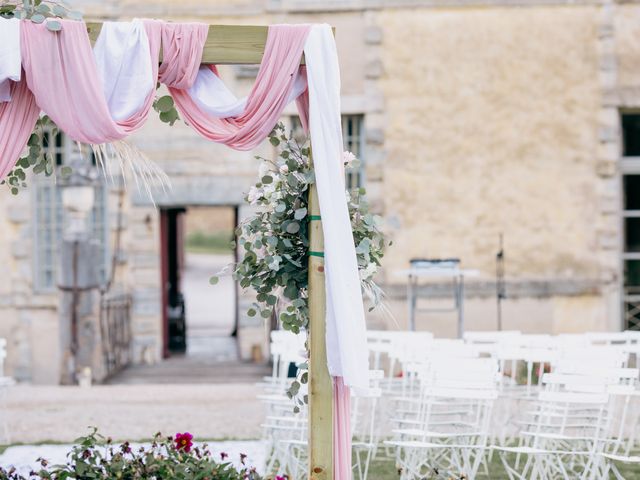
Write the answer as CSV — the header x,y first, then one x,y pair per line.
x,y
212,354
37,414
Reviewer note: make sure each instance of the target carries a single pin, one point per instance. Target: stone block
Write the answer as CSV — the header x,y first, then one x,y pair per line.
x,y
606,168
374,136
20,249
373,35
374,69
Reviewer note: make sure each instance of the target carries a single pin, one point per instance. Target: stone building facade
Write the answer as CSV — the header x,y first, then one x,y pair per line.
x,y
474,119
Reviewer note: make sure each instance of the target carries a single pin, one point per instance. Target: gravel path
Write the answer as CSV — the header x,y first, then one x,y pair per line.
x,y
40,414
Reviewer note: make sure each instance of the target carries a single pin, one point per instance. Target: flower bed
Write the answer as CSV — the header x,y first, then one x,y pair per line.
x,y
177,458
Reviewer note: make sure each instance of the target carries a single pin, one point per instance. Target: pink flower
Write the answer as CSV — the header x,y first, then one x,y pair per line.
x,y
184,441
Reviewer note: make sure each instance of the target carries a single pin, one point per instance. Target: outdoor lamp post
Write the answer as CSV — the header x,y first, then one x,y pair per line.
x,y
78,270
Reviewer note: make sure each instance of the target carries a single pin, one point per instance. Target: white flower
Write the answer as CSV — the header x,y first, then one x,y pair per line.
x,y
263,169
268,190
368,272
284,169
253,195
261,253
348,158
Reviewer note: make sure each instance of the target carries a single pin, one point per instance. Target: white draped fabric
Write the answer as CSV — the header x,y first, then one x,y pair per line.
x,y
347,353
10,59
124,66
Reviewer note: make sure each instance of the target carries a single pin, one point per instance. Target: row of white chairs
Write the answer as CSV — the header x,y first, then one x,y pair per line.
x,y
576,422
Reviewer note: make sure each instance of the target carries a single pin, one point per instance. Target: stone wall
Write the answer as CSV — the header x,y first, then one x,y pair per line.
x,y
497,118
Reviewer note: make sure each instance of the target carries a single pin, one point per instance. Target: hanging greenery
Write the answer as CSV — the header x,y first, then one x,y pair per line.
x,y
274,241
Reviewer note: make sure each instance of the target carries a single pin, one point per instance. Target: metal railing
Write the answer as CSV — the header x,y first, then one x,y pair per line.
x,y
115,327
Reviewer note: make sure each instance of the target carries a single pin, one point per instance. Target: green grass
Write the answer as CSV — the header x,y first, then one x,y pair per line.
x,y
386,470
216,243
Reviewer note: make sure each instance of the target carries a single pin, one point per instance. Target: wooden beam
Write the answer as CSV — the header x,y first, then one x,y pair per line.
x,y
225,44
320,382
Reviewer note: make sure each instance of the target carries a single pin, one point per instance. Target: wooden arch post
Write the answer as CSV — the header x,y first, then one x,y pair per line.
x,y
244,45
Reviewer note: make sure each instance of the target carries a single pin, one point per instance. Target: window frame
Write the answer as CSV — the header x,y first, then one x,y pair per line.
x,y
55,222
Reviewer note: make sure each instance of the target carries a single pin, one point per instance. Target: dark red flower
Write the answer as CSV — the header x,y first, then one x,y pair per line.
x,y
242,458
223,455
183,441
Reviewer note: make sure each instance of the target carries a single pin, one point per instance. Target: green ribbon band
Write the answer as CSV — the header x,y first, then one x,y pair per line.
x,y
314,217
316,254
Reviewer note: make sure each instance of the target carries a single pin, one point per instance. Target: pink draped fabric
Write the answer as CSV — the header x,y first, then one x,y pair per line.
x,y
61,72
341,430
269,96
182,46
17,120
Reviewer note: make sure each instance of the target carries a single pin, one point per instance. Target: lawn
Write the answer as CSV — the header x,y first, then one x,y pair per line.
x,y
217,243
386,470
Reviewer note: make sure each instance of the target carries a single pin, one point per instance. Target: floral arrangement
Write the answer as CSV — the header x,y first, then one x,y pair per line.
x,y
168,458
275,240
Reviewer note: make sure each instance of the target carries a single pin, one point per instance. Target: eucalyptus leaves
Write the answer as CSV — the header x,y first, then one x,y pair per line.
x,y
38,11
275,243
38,157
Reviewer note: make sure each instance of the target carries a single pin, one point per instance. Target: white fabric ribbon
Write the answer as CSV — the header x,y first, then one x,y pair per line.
x,y
10,57
124,66
347,353
213,97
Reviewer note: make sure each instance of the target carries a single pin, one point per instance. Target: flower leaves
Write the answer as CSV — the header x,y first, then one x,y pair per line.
x,y
95,457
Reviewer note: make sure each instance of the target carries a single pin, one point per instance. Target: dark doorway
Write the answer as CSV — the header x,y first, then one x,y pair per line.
x,y
199,319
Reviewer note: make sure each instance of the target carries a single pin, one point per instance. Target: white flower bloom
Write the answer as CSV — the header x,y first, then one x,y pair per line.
x,y
253,195
284,169
268,190
348,158
368,272
263,169
261,253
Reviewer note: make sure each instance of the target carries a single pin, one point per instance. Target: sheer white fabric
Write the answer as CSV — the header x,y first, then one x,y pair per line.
x,y
213,97
124,66
10,58
347,353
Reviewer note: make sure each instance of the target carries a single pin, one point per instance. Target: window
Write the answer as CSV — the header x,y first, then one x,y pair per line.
x,y
353,139
50,221
631,134
352,135
630,167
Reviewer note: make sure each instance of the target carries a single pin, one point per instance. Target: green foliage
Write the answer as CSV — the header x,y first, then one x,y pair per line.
x,y
166,108
37,157
217,242
38,11
96,458
275,241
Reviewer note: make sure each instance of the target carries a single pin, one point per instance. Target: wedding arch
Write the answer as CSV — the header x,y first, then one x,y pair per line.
x,y
103,93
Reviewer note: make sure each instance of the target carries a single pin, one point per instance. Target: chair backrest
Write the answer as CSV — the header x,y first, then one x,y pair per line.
x,y
3,355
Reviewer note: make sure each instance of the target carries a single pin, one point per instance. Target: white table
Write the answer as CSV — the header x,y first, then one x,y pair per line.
x,y
456,275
